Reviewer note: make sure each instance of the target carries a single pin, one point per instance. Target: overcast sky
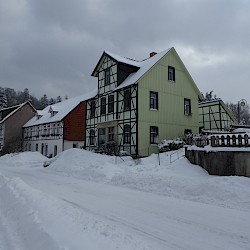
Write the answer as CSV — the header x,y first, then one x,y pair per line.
x,y
52,46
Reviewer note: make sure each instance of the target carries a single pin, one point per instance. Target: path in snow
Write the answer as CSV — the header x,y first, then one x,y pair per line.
x,y
160,222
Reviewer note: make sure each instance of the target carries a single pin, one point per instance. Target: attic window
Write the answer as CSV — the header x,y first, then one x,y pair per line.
x,y
107,76
38,117
53,113
171,73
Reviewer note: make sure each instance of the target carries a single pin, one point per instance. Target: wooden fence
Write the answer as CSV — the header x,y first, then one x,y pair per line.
x,y
232,140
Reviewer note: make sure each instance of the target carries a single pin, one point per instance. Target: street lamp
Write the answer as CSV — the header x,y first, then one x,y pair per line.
x,y
241,103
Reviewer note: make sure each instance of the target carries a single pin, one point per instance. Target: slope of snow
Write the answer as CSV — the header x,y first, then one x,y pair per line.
x,y
85,200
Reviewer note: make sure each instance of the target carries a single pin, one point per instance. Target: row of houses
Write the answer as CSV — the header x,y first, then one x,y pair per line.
x,y
135,106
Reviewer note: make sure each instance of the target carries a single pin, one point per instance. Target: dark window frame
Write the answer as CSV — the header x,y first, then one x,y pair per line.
x,y
101,141
127,100
107,76
127,134
171,73
92,137
111,133
111,102
187,106
154,133
103,106
92,109
153,100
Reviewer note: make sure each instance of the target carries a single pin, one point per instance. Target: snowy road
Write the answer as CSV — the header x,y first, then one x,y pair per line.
x,y
95,214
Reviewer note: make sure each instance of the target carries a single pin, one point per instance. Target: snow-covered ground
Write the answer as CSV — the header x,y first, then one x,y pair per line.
x,y
90,201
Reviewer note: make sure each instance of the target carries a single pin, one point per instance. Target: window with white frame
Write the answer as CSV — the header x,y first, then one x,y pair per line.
x,y
58,129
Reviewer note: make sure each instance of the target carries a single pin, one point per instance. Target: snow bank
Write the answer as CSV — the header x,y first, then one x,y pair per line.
x,y
179,179
89,165
27,159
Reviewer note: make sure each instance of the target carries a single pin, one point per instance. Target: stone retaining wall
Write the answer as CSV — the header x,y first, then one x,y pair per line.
x,y
221,162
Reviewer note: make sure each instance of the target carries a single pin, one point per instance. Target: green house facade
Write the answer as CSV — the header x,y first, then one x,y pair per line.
x,y
140,103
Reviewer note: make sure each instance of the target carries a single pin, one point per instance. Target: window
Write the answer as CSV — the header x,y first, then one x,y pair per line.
x,y
92,109
111,133
92,137
44,130
48,130
46,149
101,136
36,146
107,76
103,105
55,150
187,106
42,149
111,104
58,129
171,73
127,134
153,100
37,132
127,100
153,135
53,132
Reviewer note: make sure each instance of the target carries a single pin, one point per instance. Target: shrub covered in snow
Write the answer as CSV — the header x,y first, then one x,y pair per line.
x,y
167,145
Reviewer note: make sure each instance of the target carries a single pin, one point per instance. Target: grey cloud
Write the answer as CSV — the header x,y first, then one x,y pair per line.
x,y
52,46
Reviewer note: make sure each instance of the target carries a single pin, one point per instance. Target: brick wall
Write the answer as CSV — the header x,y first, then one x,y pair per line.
x,y
74,124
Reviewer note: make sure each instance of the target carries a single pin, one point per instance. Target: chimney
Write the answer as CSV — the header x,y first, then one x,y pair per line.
x,y
152,54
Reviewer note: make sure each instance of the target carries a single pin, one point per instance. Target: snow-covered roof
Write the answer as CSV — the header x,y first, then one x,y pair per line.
x,y
62,109
144,65
205,101
124,59
17,107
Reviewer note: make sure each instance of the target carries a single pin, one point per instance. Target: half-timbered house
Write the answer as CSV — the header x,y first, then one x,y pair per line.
x,y
58,127
215,115
140,103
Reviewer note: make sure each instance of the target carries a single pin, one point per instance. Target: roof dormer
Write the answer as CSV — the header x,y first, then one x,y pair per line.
x,y
52,111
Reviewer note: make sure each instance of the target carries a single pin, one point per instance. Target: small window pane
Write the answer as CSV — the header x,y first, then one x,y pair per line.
x,y
153,100
171,73
153,135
